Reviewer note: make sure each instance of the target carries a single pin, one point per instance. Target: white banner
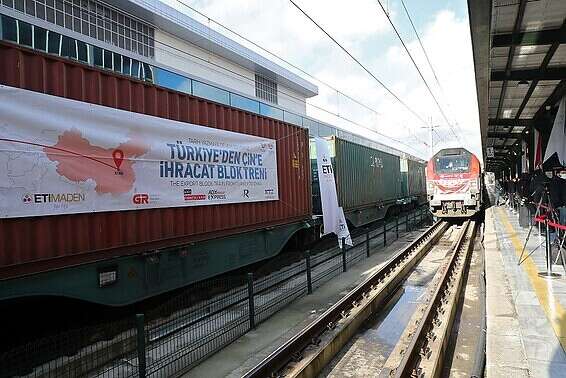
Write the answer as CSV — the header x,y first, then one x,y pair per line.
x,y
60,156
537,161
557,141
524,157
332,214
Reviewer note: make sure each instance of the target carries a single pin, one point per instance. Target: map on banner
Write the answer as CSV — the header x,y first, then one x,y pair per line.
x,y
73,157
78,161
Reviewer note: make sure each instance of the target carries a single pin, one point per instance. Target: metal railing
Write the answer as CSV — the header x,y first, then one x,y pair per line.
x,y
205,317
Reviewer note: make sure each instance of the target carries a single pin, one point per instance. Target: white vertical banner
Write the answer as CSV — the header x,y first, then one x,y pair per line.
x,y
524,158
537,149
332,214
557,141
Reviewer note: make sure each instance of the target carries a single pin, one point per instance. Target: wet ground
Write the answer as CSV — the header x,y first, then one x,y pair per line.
x,y
366,353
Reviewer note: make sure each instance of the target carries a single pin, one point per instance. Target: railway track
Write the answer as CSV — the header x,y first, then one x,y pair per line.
x,y
422,346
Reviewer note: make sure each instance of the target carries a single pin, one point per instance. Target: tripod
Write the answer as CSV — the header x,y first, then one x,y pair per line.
x,y
539,217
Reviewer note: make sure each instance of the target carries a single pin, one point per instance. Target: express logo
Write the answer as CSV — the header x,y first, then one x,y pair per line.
x,y
27,198
189,196
216,195
140,199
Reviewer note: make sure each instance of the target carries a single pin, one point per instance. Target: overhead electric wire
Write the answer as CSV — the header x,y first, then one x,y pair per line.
x,y
418,69
421,44
359,63
427,57
279,57
306,73
244,77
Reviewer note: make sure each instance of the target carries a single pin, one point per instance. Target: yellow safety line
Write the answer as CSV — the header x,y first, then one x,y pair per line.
x,y
552,307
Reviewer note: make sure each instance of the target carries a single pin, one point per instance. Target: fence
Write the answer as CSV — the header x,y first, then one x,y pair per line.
x,y
207,316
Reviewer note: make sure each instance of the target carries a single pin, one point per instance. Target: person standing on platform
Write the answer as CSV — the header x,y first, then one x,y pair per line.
x,y
498,190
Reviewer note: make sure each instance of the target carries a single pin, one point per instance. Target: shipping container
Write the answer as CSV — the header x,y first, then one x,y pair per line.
x,y
404,166
368,181
211,239
416,181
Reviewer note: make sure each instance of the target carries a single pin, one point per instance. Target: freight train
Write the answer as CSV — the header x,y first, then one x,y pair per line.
x,y
131,242
390,183
454,183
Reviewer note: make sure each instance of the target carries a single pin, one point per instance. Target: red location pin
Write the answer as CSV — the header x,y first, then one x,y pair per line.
x,y
118,156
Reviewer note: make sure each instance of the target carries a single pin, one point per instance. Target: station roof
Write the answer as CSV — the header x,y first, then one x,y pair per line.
x,y
181,25
519,49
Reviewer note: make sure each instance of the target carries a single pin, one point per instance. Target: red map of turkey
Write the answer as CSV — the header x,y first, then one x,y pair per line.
x,y
110,168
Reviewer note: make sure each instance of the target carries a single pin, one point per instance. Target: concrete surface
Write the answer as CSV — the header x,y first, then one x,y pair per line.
x,y
526,321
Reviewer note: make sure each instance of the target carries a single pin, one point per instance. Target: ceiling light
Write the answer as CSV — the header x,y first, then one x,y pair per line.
x,y
507,113
547,107
523,83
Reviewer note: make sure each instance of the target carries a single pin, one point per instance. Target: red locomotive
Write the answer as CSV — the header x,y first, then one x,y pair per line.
x,y
454,183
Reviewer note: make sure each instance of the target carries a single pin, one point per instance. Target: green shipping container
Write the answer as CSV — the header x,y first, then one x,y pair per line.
x,y
417,181
368,181
404,179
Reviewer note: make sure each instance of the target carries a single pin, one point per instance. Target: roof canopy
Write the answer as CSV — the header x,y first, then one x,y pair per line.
x,y
520,65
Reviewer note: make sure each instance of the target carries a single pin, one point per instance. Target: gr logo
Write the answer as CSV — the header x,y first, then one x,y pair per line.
x,y
140,199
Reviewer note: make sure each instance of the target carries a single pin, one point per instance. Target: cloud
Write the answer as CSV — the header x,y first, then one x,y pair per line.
x,y
364,30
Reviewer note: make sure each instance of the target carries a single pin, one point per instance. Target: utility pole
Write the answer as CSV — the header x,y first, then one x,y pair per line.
x,y
431,128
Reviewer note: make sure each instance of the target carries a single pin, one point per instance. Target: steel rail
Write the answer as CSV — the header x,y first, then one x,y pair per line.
x,y
309,335
419,360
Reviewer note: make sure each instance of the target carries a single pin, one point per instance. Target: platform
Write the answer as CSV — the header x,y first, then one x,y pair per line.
x,y
526,317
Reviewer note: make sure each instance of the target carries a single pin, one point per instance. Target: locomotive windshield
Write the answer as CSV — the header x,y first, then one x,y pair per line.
x,y
452,164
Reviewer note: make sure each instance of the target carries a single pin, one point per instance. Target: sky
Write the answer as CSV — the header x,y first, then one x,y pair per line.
x,y
363,29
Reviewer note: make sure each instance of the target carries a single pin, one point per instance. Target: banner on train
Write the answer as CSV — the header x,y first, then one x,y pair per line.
x,y
69,157
332,214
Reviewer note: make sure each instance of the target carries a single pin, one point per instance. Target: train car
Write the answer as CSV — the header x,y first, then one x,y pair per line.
x,y
142,249
120,254
386,187
454,183
413,182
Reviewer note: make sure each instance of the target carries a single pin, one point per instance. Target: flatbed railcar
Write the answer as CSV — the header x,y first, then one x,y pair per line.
x,y
146,251
151,251
454,183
